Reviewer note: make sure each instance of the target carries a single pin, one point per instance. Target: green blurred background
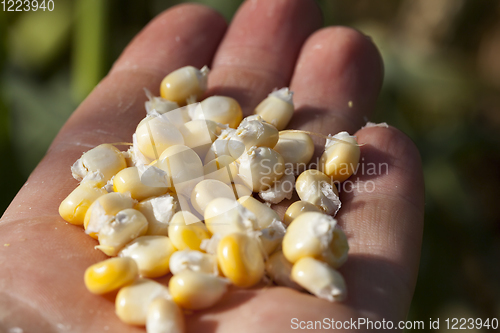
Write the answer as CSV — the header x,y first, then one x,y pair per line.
x,y
442,87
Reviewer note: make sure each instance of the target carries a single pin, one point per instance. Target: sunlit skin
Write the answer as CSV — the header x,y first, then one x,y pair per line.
x,y
270,44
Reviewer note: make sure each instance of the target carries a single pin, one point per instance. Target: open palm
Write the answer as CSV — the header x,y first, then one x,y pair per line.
x,y
336,74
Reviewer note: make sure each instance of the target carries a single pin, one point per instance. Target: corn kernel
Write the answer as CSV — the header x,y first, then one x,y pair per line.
x,y
317,188
241,190
128,180
105,159
133,301
315,235
277,108
183,84
199,135
196,290
126,226
110,274
220,146
319,279
164,316
281,189
240,259
252,131
206,191
340,159
297,208
296,149
222,168
225,216
195,261
263,213
158,211
186,231
272,237
155,134
151,253
74,208
260,167
221,109
280,270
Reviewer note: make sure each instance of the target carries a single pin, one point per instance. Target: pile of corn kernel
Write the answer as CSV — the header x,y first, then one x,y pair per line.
x,y
180,201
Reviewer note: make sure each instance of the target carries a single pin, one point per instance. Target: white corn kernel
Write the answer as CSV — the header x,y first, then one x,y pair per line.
x,y
151,253
296,149
263,213
183,166
155,134
110,274
206,191
220,146
164,316
221,109
223,168
132,302
317,188
280,270
108,204
315,235
272,237
340,159
186,231
183,84
224,216
252,131
241,190
260,167
74,207
319,279
199,135
281,189
158,211
105,159
240,259
277,108
126,226
297,208
195,261
129,180
196,290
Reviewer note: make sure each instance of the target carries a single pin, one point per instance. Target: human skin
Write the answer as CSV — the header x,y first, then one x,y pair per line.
x,y
269,44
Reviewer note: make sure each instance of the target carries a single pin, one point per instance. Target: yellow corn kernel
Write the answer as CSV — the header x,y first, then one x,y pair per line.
x,y
183,166
183,84
222,168
110,274
260,167
315,235
317,188
75,206
199,135
241,190
263,213
296,149
195,261
221,109
151,253
196,290
206,191
186,231
126,226
240,259
164,316
319,279
108,204
105,159
280,270
224,216
277,108
297,208
158,211
341,158
154,134
272,237
220,146
128,180
133,301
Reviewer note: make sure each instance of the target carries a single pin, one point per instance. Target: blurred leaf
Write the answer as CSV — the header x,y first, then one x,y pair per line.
x,y
37,37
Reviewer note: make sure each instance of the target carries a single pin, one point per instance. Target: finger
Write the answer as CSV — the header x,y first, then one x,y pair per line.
x,y
382,214
260,48
183,35
336,82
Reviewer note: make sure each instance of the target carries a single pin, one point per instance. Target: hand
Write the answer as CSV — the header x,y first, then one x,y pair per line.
x,y
269,44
